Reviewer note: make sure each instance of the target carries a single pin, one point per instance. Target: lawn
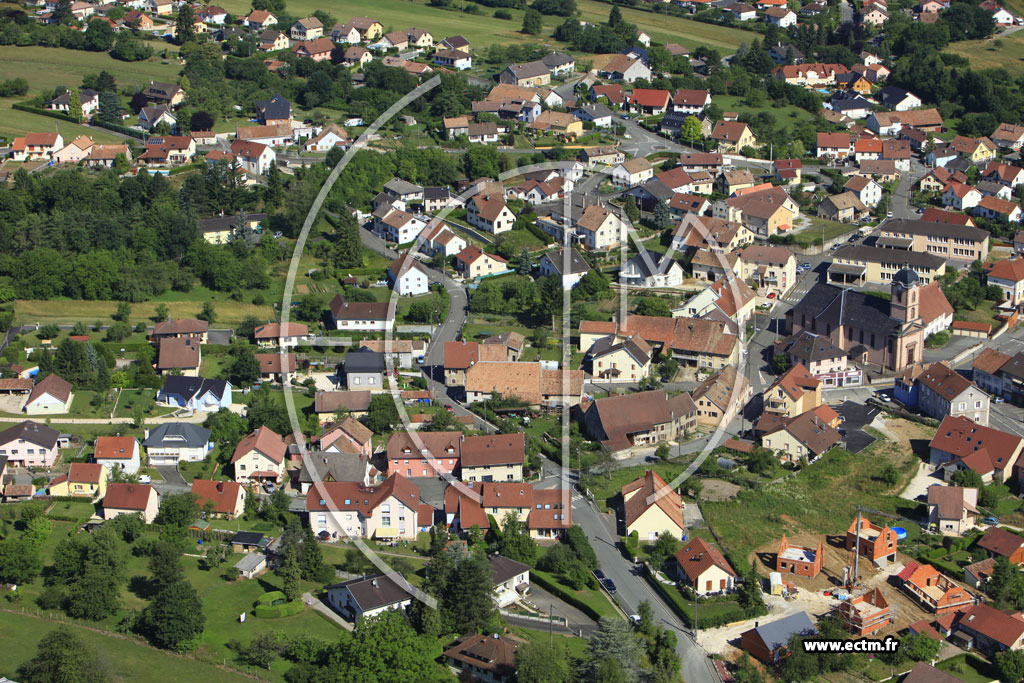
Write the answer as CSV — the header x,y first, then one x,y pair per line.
x,y
124,660
68,311
788,114
822,227
576,647
483,30
47,67
81,510
820,499
985,54
969,668
983,313
606,487
596,599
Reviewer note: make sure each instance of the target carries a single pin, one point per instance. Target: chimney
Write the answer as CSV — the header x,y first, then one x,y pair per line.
x,y
374,582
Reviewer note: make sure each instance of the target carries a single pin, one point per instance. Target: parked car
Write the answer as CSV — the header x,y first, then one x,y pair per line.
x,y
609,586
269,487
599,575
998,399
990,520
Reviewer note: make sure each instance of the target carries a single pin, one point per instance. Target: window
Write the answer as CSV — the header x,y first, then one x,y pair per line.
x,y
355,380
242,468
321,520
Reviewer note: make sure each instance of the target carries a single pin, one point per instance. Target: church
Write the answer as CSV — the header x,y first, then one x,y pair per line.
x,y
873,331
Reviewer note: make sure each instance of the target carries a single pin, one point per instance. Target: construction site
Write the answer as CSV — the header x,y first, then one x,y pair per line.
x,y
864,593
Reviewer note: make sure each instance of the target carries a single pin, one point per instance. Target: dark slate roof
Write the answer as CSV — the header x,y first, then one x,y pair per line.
x,y
556,59
277,107
577,264
247,538
32,432
891,95
860,252
848,104
811,348
180,434
190,387
776,634
836,306
505,569
380,590
364,360
919,227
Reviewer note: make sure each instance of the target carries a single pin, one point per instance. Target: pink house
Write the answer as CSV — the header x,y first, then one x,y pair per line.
x,y
29,444
347,436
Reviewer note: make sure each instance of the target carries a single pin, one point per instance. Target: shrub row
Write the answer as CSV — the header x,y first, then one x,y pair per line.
x,y
288,609
21,106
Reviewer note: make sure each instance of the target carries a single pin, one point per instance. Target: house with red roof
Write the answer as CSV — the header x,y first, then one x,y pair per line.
x,y
84,479
651,508
959,444
36,146
935,592
985,628
118,451
130,499
649,101
254,157
219,498
703,567
391,511
1007,275
259,457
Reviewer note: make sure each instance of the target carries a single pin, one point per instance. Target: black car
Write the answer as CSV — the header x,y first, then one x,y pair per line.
x,y
609,586
599,575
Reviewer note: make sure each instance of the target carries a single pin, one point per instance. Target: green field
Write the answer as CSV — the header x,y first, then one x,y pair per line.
x,y
985,54
483,30
67,311
47,67
784,116
124,659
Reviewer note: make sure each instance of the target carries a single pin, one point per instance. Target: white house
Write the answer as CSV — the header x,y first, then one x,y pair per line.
x,y
408,277
365,316
369,596
554,263
253,157
960,196
490,213
50,396
173,442
118,451
441,239
646,270
704,568
402,227
866,190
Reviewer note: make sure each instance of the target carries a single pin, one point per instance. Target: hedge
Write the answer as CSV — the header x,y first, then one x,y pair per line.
x,y
118,128
269,597
532,228
21,106
563,593
288,609
684,609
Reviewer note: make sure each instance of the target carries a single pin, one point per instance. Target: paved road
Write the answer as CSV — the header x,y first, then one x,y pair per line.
x,y
634,589
845,12
450,328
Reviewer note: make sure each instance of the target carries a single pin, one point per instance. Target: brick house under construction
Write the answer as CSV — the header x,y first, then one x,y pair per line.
x,y
877,543
936,592
865,614
795,559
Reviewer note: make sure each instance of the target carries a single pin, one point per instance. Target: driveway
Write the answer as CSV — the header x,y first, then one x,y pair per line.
x,y
171,475
856,416
926,476
220,336
541,600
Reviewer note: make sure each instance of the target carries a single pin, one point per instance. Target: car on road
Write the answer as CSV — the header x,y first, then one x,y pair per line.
x,y
624,117
634,619
889,215
609,586
771,295
998,399
599,575
449,408
882,397
269,487
853,238
651,458
627,136
991,521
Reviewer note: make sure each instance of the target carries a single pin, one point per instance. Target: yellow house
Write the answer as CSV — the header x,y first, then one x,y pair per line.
x,y
628,360
501,498
703,567
84,479
732,136
559,123
795,392
978,150
492,457
260,457
651,508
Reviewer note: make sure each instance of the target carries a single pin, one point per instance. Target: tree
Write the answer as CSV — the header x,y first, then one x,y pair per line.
x,y
382,414
662,452
75,104
615,17
385,649
94,595
110,107
208,314
311,558
467,595
99,37
613,640
62,656
186,31
525,264
632,210
580,545
967,479
515,542
160,313
653,305
890,476
1011,665
919,647
20,561
178,510
691,130
538,663
128,48
165,565
662,216
124,312
174,619
532,22
781,363
662,549
291,575
244,369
